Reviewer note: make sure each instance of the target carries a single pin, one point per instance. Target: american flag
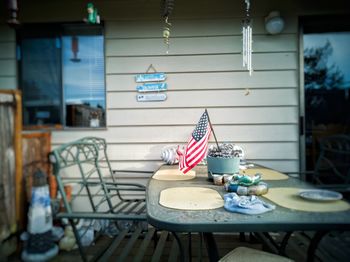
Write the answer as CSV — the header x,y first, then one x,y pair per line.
x,y
197,145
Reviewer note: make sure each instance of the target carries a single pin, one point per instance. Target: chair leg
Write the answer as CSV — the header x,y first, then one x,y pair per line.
x,y
77,237
241,237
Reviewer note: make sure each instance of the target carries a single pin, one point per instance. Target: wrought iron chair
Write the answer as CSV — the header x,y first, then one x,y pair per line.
x,y
332,167
128,193
96,194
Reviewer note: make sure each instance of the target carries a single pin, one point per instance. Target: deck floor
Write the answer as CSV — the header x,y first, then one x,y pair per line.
x,y
334,247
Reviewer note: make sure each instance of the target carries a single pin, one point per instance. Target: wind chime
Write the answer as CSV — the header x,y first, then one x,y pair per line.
x,y
247,39
167,8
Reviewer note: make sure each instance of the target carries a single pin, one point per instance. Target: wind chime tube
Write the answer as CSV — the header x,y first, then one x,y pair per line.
x,y
245,46
250,49
244,41
247,40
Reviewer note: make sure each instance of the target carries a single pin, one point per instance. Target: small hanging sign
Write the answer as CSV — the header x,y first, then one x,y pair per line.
x,y
151,97
149,87
155,77
151,82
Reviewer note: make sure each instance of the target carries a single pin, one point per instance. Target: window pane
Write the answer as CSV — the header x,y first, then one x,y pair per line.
x,y
40,81
326,60
83,80
327,88
327,78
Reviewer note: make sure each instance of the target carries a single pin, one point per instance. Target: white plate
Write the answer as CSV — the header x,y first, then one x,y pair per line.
x,y
320,195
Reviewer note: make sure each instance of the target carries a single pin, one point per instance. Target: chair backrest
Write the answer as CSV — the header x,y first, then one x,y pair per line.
x,y
103,161
76,164
84,164
333,164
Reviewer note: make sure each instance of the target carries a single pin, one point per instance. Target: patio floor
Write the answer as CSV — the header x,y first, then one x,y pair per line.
x,y
296,249
334,247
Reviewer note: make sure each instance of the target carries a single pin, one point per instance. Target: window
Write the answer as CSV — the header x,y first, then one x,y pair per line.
x,y
62,75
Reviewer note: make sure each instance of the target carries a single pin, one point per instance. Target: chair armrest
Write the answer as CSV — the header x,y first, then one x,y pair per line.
x,y
132,171
298,174
125,186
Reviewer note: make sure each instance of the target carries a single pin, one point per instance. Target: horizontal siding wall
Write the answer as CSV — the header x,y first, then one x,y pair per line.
x,y
204,70
7,58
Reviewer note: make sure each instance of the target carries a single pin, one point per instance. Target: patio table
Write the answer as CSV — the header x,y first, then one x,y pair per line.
x,y
219,220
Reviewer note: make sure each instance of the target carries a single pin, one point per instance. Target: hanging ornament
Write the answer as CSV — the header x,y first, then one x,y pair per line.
x,y
247,39
166,33
167,7
75,49
12,7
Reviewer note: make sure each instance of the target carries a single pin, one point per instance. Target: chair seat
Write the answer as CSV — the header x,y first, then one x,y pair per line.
x,y
245,254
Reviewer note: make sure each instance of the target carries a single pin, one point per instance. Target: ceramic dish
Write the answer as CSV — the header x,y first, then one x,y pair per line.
x,y
320,195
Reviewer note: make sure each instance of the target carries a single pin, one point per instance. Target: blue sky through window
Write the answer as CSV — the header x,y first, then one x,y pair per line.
x,y
83,70
341,51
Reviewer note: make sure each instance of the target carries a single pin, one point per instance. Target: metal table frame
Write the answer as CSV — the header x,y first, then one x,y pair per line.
x,y
219,220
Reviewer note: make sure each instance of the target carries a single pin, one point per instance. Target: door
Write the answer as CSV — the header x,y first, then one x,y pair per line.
x,y
326,82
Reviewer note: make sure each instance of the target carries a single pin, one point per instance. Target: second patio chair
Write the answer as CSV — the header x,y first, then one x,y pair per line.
x,y
332,167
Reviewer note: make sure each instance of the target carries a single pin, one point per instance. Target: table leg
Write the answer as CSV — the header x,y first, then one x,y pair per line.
x,y
211,246
183,258
200,246
267,241
314,244
284,243
189,247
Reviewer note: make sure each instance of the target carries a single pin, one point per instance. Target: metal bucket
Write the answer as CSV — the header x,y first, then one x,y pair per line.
x,y
220,165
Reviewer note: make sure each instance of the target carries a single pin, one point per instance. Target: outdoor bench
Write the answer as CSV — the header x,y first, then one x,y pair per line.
x,y
89,191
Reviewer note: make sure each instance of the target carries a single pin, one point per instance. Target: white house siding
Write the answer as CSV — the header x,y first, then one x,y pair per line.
x,y
204,70
7,58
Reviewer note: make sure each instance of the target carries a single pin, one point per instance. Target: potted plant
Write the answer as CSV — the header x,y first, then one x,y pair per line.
x,y
223,159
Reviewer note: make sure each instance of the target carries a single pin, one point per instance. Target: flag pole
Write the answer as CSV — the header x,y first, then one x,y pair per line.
x,y
211,127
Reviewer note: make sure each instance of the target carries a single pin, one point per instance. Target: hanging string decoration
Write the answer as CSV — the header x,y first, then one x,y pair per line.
x,y
167,7
247,39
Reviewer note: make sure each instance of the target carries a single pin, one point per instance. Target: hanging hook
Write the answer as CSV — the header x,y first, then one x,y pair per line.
x,y
151,67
